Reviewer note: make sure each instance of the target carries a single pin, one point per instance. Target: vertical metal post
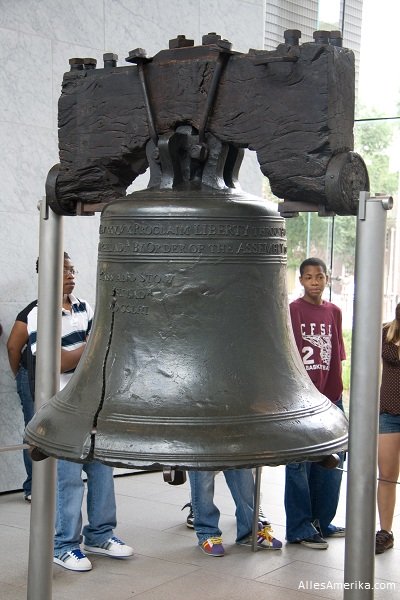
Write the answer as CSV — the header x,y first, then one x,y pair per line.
x,y
364,395
308,234
331,240
256,512
48,357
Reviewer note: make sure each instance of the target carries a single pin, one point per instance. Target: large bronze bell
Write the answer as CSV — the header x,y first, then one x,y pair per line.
x,y
191,362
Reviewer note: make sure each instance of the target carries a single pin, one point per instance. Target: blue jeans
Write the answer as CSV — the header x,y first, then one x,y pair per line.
x,y
101,509
26,399
206,514
311,493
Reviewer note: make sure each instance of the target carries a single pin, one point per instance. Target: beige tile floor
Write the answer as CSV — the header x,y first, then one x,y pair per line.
x,y
169,566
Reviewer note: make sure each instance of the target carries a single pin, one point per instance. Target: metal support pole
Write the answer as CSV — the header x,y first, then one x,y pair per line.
x,y
308,234
256,513
364,395
48,359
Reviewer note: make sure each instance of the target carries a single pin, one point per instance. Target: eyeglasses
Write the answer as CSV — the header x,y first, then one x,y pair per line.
x,y
70,271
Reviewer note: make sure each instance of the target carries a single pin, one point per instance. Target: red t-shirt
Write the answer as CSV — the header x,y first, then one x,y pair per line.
x,y
318,333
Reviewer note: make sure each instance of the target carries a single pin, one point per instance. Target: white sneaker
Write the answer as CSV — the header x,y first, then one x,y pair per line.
x,y
74,560
113,547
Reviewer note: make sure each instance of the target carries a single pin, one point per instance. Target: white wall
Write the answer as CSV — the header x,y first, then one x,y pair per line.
x,y
37,37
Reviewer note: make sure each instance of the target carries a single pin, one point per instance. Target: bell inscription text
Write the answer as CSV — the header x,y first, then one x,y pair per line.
x,y
146,238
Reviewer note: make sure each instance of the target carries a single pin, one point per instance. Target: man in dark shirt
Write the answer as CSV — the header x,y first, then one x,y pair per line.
x,y
18,356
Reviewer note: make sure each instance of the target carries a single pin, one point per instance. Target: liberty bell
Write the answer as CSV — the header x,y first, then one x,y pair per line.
x,y
191,362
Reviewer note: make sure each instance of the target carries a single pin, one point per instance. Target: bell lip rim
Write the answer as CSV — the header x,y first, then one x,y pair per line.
x,y
155,461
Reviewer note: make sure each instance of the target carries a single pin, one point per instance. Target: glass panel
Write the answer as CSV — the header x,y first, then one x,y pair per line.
x,y
370,29
329,14
379,144
377,140
379,77
311,235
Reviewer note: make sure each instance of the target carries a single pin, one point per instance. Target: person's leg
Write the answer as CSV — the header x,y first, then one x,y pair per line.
x,y
67,539
241,485
101,507
388,466
190,517
68,507
262,517
98,534
324,493
206,514
298,503
25,397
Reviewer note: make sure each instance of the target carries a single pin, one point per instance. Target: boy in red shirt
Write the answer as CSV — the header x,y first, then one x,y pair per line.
x,y
312,491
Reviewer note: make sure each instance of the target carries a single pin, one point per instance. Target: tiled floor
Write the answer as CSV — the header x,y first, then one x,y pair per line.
x,y
168,565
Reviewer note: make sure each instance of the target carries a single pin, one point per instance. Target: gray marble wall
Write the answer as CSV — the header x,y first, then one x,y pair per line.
x,y
36,40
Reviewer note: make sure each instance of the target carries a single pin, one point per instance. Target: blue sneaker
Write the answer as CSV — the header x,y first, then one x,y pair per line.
x,y
213,546
333,530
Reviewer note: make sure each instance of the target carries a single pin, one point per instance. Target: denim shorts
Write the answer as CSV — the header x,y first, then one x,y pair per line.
x,y
389,423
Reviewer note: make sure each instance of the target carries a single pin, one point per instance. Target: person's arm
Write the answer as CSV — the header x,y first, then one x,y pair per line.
x,y
70,358
17,340
342,348
390,353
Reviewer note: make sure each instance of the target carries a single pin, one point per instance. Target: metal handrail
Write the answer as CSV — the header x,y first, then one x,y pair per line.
x,y
15,447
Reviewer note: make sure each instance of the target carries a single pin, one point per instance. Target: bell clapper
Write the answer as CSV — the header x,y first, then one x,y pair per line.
x,y
330,462
36,454
174,476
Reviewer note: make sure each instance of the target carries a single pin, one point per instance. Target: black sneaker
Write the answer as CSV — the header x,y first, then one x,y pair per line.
x,y
190,517
333,530
336,532
316,541
384,540
262,518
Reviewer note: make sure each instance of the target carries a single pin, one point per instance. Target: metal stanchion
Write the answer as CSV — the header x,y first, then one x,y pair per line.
x,y
257,485
364,395
47,384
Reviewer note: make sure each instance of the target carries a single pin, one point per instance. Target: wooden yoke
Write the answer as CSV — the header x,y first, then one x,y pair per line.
x,y
294,106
